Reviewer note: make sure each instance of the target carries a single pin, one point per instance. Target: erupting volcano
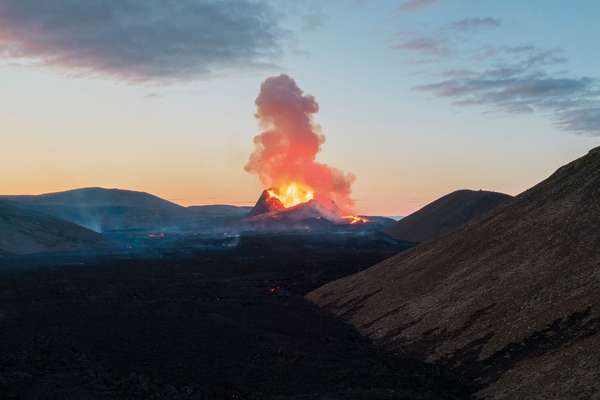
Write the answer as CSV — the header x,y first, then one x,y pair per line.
x,y
285,158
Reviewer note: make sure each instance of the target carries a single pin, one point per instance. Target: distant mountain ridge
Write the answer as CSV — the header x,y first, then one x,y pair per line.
x,y
512,301
24,231
446,214
102,209
96,196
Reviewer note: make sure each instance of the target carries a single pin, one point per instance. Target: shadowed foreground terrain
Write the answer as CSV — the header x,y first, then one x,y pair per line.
x,y
212,324
512,300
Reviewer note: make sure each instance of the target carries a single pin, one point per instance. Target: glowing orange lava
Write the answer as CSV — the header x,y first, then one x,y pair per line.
x,y
355,219
292,194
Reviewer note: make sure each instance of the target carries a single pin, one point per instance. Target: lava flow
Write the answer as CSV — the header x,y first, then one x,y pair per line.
x,y
355,219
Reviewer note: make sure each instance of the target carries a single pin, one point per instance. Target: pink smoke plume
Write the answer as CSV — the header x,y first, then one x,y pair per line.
x,y
286,150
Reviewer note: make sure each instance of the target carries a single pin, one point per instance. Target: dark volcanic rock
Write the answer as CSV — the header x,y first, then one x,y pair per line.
x,y
512,300
24,231
210,325
308,211
265,204
446,214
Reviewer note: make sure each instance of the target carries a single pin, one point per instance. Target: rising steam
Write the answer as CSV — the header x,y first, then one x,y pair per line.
x,y
286,151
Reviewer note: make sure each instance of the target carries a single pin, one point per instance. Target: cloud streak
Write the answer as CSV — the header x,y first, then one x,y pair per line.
x,y
471,24
511,79
140,40
425,46
572,102
413,5
440,42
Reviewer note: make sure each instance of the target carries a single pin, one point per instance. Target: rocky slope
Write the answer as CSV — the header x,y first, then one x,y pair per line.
x,y
446,214
24,231
511,301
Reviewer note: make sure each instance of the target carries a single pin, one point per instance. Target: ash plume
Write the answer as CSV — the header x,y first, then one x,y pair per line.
x,y
286,150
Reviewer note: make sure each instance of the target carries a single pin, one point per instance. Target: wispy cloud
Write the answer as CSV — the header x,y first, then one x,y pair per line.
x,y
535,56
140,40
470,24
584,121
427,46
524,86
440,42
413,5
509,79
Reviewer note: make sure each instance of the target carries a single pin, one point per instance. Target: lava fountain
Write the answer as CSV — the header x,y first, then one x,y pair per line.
x,y
292,194
284,158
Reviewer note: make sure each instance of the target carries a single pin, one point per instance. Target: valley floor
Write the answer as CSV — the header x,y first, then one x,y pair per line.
x,y
200,324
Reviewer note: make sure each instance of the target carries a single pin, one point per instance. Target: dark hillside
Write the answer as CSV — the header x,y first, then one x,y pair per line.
x,y
446,214
512,300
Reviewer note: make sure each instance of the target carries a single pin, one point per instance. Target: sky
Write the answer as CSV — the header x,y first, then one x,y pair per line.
x,y
416,98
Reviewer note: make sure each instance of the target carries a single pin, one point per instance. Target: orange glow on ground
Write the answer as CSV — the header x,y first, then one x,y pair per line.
x,y
355,219
294,193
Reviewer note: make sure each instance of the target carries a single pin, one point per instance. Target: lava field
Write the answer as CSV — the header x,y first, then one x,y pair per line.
x,y
200,323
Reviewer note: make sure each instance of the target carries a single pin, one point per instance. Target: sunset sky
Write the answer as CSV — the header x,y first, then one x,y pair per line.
x,y
417,98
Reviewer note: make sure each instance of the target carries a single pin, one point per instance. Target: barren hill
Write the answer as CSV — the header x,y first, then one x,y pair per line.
x,y
512,301
24,231
97,196
446,214
102,209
